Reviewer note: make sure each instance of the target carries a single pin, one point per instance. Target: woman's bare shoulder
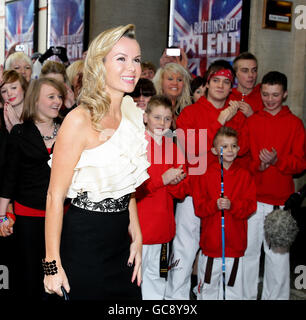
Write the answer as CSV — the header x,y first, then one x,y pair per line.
x,y
77,119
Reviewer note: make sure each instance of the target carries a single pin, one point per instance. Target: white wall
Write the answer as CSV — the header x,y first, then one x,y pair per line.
x,y
281,51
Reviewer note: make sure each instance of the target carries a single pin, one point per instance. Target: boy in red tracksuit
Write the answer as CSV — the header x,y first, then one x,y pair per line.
x,y
155,200
247,92
238,203
277,145
209,113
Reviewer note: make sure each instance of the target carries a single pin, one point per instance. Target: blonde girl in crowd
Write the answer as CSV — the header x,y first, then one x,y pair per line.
x,y
57,70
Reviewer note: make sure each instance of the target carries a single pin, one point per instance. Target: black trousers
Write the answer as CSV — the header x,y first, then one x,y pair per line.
x,y
30,250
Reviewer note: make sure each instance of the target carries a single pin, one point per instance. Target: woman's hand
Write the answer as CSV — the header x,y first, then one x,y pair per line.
x,y
182,59
136,258
136,242
53,283
70,100
10,116
6,227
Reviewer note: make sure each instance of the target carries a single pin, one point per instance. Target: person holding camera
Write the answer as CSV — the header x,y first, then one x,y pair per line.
x,y
60,52
174,55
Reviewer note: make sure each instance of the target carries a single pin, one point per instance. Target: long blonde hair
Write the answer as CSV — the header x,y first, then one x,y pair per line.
x,y
184,99
93,95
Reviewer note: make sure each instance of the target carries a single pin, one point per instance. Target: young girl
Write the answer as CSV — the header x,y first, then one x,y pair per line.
x,y
12,92
56,70
154,198
26,180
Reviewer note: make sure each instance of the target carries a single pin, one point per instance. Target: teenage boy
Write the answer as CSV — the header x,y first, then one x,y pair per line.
x,y
238,203
277,146
247,91
210,112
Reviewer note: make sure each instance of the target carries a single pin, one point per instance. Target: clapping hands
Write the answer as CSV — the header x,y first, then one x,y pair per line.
x,y
10,116
267,158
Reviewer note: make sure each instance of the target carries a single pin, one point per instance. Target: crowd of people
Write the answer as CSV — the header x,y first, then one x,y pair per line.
x,y
116,174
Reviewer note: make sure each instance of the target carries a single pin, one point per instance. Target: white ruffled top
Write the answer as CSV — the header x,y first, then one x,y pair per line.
x,y
118,166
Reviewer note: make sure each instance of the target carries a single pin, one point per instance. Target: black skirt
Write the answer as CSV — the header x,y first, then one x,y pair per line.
x,y
94,252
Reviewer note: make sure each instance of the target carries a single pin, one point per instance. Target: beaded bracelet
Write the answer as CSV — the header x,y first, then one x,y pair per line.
x,y
50,268
11,215
3,219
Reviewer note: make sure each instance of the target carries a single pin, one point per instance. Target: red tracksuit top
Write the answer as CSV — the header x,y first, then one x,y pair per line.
x,y
239,187
203,115
255,101
286,134
253,98
154,199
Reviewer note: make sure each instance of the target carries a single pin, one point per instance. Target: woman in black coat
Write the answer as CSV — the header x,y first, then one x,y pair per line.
x,y
26,178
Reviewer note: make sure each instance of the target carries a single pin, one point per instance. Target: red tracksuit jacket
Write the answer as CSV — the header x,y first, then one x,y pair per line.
x,y
239,187
255,101
286,134
203,115
154,199
253,98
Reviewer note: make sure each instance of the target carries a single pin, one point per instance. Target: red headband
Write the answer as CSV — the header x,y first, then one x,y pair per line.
x,y
224,72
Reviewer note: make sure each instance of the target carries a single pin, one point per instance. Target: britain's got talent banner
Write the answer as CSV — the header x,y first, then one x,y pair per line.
x,y
19,25
66,26
206,29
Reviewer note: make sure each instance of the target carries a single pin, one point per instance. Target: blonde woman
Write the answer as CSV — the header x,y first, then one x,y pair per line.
x,y
75,75
173,81
21,63
99,160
